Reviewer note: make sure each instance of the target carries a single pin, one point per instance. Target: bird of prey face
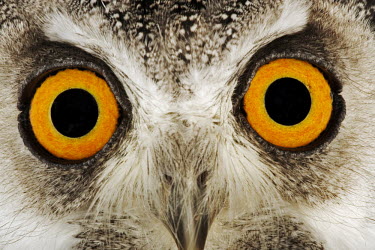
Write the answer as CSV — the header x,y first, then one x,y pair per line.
x,y
197,124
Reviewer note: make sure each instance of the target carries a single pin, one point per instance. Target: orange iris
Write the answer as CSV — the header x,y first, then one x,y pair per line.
x,y
104,125
311,126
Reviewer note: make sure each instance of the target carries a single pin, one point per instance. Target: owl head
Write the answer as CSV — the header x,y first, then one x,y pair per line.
x,y
187,124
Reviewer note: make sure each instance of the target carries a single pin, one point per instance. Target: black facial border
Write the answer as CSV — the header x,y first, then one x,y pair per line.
x,y
51,58
305,46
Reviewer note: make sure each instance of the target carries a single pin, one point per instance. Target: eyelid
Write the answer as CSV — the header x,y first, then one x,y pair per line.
x,y
46,132
307,130
64,57
338,112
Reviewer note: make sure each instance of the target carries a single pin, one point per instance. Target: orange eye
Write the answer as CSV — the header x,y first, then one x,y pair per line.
x,y
288,103
73,114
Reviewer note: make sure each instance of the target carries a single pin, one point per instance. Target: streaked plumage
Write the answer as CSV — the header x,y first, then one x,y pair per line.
x,y
184,164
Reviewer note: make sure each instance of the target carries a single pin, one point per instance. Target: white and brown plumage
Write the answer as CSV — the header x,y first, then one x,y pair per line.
x,y
184,169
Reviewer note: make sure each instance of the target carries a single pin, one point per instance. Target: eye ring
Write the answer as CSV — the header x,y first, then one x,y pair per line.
x,y
50,138
311,126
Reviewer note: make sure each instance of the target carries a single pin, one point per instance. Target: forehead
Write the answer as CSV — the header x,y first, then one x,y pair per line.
x,y
175,43
184,31
179,20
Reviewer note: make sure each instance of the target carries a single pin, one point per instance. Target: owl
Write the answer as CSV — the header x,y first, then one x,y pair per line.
x,y
195,124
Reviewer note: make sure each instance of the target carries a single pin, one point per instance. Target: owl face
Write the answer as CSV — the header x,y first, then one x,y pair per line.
x,y
187,124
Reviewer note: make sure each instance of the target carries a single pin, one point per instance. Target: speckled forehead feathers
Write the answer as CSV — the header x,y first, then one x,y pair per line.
x,y
170,35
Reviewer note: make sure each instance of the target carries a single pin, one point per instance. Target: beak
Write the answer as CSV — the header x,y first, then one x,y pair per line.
x,y
192,239
188,220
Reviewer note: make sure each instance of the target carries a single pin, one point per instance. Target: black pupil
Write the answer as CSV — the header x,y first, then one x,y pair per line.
x,y
74,113
287,101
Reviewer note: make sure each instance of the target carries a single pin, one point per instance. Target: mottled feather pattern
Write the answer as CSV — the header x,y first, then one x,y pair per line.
x,y
185,170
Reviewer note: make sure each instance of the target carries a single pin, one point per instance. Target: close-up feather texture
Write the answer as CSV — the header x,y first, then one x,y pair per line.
x,y
187,124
